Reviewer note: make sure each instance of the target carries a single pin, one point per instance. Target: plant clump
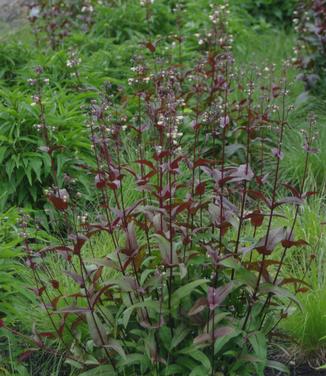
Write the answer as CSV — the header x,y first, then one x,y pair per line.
x,y
189,282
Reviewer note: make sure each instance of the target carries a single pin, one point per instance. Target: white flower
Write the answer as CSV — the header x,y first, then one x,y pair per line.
x,y
35,11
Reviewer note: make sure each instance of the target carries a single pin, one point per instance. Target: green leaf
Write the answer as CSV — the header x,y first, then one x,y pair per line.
x,y
222,341
36,165
3,150
28,173
180,334
259,345
197,355
165,249
185,290
96,329
147,304
165,337
133,359
116,346
278,366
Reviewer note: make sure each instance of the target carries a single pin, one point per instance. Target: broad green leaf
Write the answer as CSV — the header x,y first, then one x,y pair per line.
x,y
185,290
96,329
154,305
36,165
132,359
222,341
197,355
180,334
259,345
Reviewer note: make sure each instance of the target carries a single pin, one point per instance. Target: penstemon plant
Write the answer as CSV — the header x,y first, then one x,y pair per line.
x,y
188,283
56,19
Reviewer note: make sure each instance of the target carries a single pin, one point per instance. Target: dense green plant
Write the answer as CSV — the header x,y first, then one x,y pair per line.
x,y
187,283
271,11
13,56
13,294
310,23
28,166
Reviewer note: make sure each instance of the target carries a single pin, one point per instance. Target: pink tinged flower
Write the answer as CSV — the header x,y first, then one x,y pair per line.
x,y
224,121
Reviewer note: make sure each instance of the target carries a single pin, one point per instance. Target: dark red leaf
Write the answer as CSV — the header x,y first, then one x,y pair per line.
x,y
294,243
26,354
286,281
79,241
200,188
59,199
294,191
256,218
54,283
161,155
203,162
175,164
146,162
150,46
54,302
47,334
113,184
303,289
308,194
100,181
259,196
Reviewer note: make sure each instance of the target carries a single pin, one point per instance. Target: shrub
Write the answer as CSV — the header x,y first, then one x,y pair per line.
x,y
13,294
188,283
29,168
